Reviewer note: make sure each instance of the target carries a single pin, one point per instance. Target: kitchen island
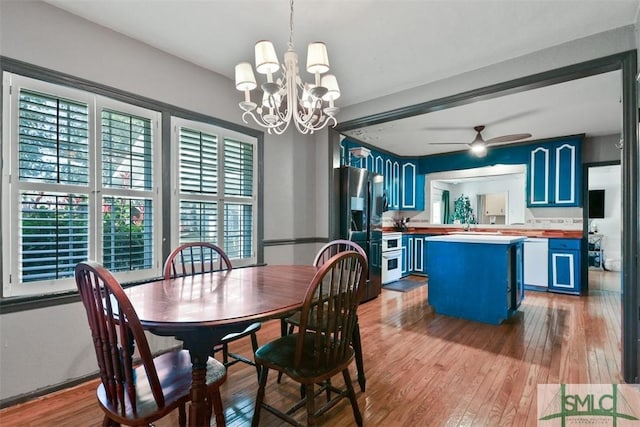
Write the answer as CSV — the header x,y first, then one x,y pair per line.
x,y
475,276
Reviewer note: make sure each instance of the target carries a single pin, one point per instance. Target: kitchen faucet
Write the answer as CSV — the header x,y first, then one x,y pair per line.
x,y
468,220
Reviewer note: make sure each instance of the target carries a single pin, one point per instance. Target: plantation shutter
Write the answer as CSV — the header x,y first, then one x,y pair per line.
x,y
198,183
53,151
127,167
238,184
214,182
198,162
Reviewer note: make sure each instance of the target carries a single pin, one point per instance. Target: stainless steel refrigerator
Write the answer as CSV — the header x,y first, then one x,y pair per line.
x,y
360,201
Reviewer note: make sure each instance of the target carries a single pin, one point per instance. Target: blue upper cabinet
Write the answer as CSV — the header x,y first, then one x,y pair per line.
x,y
412,194
539,177
392,181
554,174
567,162
378,163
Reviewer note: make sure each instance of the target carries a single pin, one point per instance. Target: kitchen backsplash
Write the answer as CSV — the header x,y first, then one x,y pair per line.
x,y
421,220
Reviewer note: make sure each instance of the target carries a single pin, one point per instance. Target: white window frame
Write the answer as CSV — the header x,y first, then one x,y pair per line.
x,y
11,186
219,198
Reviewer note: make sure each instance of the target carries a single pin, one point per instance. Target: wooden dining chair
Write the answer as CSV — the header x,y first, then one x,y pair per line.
x,y
315,354
137,388
326,252
204,257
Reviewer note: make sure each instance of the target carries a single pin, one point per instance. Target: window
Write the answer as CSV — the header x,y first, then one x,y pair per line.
x,y
81,174
214,176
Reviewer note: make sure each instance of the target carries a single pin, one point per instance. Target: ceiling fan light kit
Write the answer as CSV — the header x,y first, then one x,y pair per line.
x,y
309,105
479,146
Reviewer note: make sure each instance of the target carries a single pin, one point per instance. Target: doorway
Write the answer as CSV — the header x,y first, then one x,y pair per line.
x,y
603,228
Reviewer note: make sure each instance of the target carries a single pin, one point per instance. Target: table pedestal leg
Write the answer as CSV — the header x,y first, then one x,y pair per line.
x,y
199,345
199,414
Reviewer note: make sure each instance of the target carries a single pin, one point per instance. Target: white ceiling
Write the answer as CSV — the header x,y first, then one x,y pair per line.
x,y
379,47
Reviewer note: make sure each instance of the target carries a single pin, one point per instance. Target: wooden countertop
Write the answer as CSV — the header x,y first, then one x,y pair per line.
x,y
464,237
528,232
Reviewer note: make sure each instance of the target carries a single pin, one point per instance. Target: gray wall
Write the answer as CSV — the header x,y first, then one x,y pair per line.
x,y
45,347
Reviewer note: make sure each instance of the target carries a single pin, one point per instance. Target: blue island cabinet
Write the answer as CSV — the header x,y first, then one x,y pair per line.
x,y
475,277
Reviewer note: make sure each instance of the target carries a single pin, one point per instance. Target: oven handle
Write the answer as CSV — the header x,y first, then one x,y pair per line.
x,y
392,254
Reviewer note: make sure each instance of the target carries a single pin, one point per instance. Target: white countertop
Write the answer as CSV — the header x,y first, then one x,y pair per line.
x,y
477,238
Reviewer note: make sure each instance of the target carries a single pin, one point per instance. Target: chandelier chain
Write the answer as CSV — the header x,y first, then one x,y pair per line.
x,y
291,25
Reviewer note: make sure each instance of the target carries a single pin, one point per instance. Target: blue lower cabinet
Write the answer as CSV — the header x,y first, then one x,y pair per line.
x,y
405,255
564,262
414,254
418,254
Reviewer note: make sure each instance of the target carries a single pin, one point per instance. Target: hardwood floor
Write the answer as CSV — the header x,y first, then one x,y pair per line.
x,y
423,369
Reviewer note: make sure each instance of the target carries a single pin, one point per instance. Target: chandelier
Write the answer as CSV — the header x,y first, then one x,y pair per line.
x,y
309,105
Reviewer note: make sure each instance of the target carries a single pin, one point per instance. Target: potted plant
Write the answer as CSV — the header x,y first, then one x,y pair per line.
x,y
462,211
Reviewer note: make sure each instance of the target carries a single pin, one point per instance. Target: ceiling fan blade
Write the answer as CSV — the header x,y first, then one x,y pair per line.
x,y
447,143
508,138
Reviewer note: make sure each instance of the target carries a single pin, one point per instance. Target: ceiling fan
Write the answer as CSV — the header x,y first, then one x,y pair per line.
x,y
479,146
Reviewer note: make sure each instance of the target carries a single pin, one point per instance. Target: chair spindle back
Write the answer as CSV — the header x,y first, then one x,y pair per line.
x,y
332,301
335,247
116,332
195,258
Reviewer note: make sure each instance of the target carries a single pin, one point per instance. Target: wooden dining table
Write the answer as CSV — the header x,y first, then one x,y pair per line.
x,y
201,309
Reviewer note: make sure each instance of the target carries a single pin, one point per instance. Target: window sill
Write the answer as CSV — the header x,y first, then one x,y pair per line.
x,y
32,302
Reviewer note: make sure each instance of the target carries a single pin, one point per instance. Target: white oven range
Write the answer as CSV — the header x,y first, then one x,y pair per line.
x,y
391,257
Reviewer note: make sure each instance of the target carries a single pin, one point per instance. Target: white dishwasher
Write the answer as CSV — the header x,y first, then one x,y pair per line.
x,y
536,262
